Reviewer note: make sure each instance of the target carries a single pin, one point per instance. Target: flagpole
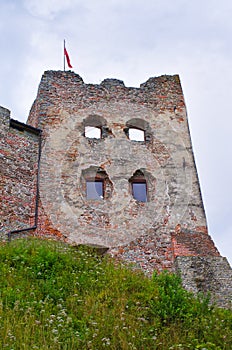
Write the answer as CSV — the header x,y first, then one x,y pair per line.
x,y
64,56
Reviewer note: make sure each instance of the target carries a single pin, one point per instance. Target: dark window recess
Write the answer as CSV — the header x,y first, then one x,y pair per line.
x,y
139,190
94,189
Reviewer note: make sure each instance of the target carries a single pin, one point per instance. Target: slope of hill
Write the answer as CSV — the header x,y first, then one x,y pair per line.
x,y
53,296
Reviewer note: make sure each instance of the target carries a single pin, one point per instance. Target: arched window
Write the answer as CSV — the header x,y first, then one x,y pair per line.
x,y
96,184
138,130
95,127
138,185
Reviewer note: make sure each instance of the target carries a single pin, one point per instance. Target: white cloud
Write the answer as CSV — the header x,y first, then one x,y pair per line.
x,y
48,9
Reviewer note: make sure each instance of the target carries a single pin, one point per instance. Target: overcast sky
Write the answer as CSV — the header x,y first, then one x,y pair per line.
x,y
133,40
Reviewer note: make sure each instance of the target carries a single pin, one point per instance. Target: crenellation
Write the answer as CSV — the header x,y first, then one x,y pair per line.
x,y
109,83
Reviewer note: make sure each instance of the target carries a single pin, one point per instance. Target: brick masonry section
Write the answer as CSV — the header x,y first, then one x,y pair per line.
x,y
152,234
187,243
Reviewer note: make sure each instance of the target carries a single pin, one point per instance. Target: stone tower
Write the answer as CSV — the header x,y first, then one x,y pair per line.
x,y
112,166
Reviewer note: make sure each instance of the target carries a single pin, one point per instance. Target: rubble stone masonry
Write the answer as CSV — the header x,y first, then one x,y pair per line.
x,y
18,174
153,235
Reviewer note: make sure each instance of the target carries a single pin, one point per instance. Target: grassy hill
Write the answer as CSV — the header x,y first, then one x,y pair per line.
x,y
53,296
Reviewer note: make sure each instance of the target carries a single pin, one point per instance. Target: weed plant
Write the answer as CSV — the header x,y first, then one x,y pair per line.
x,y
53,296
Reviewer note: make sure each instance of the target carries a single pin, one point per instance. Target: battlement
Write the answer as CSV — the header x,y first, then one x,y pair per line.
x,y
67,90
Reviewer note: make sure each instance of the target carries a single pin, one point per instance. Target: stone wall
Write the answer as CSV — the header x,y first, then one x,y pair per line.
x,y
18,174
207,275
63,107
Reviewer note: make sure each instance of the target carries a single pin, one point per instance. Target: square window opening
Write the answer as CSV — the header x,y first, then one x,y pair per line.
x,y
136,134
93,132
139,191
94,189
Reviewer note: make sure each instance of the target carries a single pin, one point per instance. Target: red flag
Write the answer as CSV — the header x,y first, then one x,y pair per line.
x,y
67,58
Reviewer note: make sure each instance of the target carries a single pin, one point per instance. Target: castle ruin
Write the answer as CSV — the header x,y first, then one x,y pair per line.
x,y
113,167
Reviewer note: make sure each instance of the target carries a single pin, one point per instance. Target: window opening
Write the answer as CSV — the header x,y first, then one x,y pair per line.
x,y
136,134
94,189
95,184
92,132
139,190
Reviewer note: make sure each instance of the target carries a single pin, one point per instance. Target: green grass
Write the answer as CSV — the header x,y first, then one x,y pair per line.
x,y
53,296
